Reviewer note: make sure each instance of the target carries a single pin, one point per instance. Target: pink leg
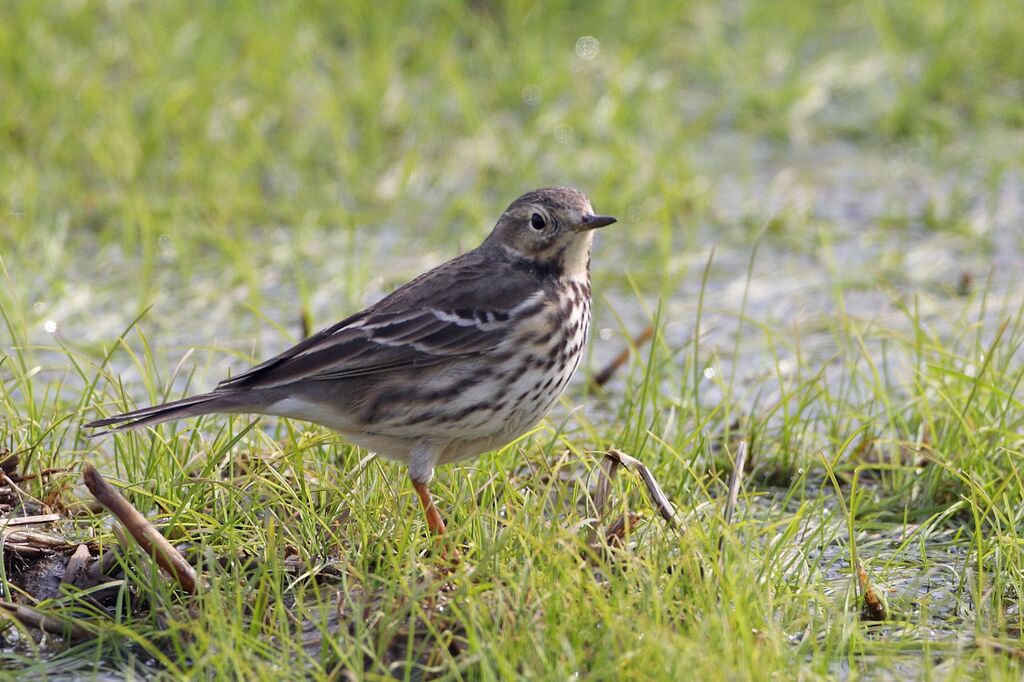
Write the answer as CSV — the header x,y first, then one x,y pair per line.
x,y
433,515
435,521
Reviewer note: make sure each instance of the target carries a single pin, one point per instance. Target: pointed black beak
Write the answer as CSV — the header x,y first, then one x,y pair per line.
x,y
592,222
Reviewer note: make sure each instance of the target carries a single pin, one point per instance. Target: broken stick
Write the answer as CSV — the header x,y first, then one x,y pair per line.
x,y
56,626
657,495
602,377
144,532
27,520
735,481
76,565
617,531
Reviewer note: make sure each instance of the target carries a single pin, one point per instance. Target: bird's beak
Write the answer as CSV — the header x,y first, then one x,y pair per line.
x,y
592,222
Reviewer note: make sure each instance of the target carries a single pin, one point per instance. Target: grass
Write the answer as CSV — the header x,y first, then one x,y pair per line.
x,y
181,185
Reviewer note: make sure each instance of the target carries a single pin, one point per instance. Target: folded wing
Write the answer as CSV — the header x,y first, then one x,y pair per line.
x,y
445,313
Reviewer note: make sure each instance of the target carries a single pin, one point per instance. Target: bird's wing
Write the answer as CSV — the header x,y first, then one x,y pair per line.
x,y
462,308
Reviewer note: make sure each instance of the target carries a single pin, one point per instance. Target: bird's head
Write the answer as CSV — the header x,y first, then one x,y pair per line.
x,y
551,228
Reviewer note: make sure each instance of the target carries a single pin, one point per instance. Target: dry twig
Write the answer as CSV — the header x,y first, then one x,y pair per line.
x,y
602,377
25,520
144,532
29,616
26,537
735,482
39,474
658,497
76,565
616,532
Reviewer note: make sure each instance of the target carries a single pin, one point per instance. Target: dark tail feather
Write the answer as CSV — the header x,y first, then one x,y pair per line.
x,y
186,407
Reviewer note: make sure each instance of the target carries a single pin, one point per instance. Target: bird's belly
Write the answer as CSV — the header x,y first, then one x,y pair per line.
x,y
391,446
517,411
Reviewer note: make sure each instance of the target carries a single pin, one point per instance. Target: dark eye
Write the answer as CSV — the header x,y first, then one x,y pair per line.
x,y
537,221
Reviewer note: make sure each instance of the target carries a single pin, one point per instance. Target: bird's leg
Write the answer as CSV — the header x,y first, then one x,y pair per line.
x,y
433,515
448,553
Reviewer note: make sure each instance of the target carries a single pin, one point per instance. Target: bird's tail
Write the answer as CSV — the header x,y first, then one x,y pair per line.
x,y
205,403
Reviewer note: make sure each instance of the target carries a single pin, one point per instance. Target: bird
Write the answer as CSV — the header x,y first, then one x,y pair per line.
x,y
462,360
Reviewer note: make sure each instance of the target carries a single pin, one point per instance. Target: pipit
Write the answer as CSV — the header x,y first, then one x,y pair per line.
x,y
461,360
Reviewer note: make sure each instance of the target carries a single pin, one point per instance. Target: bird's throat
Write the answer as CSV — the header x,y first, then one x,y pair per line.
x,y
576,257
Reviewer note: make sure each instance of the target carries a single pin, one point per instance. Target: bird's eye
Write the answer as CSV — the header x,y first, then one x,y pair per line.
x,y
537,221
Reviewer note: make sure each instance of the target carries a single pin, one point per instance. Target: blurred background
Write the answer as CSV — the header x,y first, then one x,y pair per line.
x,y
230,162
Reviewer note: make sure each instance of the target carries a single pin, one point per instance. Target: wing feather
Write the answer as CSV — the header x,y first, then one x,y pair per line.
x,y
446,313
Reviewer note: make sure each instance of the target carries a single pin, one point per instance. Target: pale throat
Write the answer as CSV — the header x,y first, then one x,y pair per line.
x,y
576,263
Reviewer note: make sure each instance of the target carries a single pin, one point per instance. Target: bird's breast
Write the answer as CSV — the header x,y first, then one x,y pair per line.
x,y
544,354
